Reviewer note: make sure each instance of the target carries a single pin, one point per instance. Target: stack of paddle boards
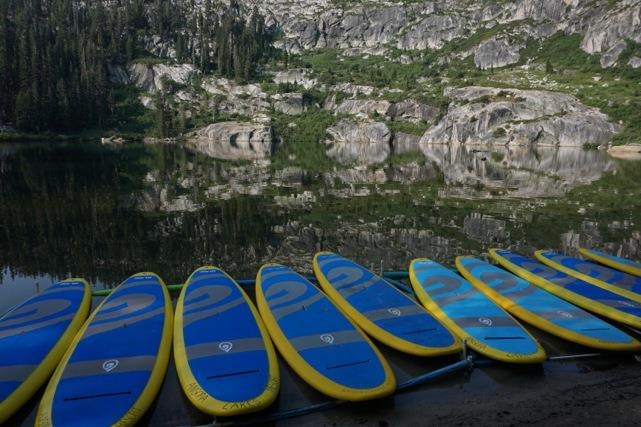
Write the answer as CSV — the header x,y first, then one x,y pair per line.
x,y
576,291
542,309
613,280
109,368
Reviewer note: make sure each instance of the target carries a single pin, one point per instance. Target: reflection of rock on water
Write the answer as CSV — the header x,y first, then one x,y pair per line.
x,y
525,171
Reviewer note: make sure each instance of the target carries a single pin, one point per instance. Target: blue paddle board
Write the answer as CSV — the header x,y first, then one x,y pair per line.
x,y
622,264
604,277
116,364
480,323
317,340
542,309
380,309
33,338
225,360
578,292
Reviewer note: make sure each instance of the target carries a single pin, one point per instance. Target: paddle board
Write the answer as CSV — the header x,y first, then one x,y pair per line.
x,y
317,340
615,281
542,309
34,336
584,294
116,363
225,360
623,264
480,323
380,309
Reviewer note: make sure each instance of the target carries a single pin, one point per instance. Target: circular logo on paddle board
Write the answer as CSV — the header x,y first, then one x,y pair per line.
x,y
110,365
565,314
327,338
394,311
225,346
485,321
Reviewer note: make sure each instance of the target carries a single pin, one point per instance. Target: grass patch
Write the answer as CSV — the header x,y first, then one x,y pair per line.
x,y
417,129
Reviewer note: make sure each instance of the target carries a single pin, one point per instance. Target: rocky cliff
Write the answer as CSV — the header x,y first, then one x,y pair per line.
x,y
376,27
366,82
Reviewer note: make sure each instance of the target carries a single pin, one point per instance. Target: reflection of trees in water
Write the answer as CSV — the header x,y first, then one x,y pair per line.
x,y
62,212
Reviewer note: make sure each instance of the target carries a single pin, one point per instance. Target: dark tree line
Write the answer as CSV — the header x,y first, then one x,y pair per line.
x,y
55,55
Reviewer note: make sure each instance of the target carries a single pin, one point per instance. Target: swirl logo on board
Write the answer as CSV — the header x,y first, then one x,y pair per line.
x,y
110,365
395,311
327,338
485,321
225,346
565,314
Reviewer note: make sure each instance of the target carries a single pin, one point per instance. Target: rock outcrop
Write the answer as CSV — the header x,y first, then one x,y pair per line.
x,y
358,142
412,111
496,53
150,78
375,27
289,103
481,115
233,141
296,76
607,32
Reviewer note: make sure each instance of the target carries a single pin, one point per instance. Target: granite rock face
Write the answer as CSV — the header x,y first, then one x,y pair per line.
x,y
150,78
496,53
481,115
233,141
412,111
358,142
373,28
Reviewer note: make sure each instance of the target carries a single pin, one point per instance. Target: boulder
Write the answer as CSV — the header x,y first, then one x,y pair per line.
x,y
634,62
358,142
233,141
289,103
412,111
480,115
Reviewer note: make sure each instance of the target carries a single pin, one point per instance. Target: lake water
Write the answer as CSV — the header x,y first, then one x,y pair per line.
x,y
104,213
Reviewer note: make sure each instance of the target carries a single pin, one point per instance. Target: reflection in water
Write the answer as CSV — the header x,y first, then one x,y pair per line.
x,y
104,213
524,171
64,211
